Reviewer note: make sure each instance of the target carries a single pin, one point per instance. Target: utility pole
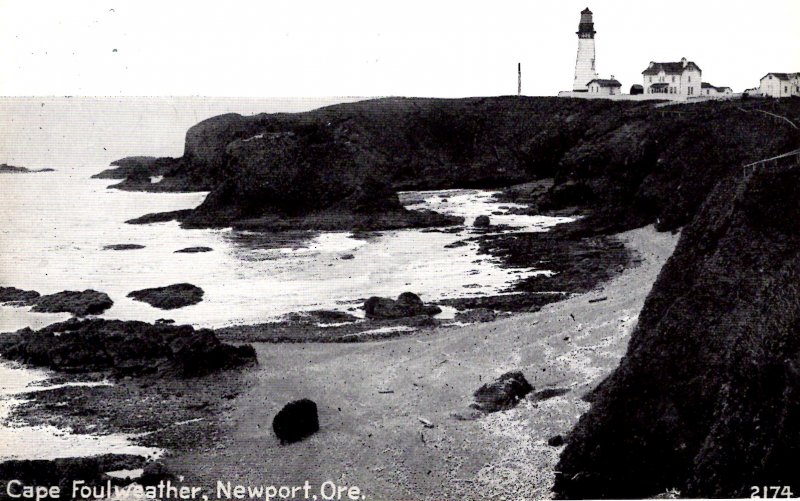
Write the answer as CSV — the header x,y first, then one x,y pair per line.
x,y
519,79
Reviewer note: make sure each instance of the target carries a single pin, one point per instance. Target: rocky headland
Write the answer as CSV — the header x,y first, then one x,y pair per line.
x,y
626,163
12,169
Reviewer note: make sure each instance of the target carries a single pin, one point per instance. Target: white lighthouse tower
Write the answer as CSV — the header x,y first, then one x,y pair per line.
x,y
584,66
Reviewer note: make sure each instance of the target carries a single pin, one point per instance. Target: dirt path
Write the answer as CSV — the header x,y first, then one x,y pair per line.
x,y
375,440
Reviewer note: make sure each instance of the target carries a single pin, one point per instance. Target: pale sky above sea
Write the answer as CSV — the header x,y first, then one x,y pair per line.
x,y
376,48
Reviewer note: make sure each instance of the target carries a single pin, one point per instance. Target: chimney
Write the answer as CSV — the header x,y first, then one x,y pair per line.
x,y
683,62
652,63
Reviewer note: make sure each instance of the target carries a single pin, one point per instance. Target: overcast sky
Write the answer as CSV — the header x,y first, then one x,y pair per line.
x,y
376,48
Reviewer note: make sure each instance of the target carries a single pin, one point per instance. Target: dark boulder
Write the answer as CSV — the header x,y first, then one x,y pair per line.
x,y
296,421
19,296
482,222
169,297
475,315
407,304
79,303
503,393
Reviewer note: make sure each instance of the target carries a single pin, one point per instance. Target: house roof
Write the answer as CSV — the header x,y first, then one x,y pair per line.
x,y
706,85
660,85
670,68
603,82
782,76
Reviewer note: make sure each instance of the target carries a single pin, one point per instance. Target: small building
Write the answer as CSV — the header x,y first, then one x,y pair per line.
x,y
780,84
678,80
713,91
606,87
636,90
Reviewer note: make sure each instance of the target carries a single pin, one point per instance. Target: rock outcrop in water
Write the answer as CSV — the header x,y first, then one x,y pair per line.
x,y
123,247
18,296
707,398
125,347
79,303
194,250
170,297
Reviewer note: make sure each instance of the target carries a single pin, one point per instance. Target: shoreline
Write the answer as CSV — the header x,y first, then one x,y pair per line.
x,y
239,410
433,377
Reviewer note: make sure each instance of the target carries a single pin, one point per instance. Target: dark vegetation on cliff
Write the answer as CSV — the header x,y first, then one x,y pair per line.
x,y
707,399
630,163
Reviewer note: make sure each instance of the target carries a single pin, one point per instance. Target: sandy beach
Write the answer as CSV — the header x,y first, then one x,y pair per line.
x,y
371,396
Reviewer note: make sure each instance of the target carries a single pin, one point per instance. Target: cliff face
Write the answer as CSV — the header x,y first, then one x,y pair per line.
x,y
629,163
707,399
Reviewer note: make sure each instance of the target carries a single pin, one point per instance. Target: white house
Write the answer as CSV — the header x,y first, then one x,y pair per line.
x,y
606,87
680,80
780,84
712,90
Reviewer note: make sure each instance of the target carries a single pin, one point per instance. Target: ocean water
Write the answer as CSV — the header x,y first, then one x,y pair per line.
x,y
54,225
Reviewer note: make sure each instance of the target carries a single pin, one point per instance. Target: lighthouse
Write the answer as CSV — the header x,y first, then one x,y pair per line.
x,y
584,66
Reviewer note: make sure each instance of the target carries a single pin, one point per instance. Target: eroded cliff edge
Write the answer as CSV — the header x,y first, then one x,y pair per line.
x,y
628,163
707,398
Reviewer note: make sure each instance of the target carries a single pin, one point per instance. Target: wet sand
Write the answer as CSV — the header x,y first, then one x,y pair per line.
x,y
371,395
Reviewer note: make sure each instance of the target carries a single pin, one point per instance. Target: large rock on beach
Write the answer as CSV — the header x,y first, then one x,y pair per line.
x,y
296,421
125,348
503,393
406,305
79,303
169,297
